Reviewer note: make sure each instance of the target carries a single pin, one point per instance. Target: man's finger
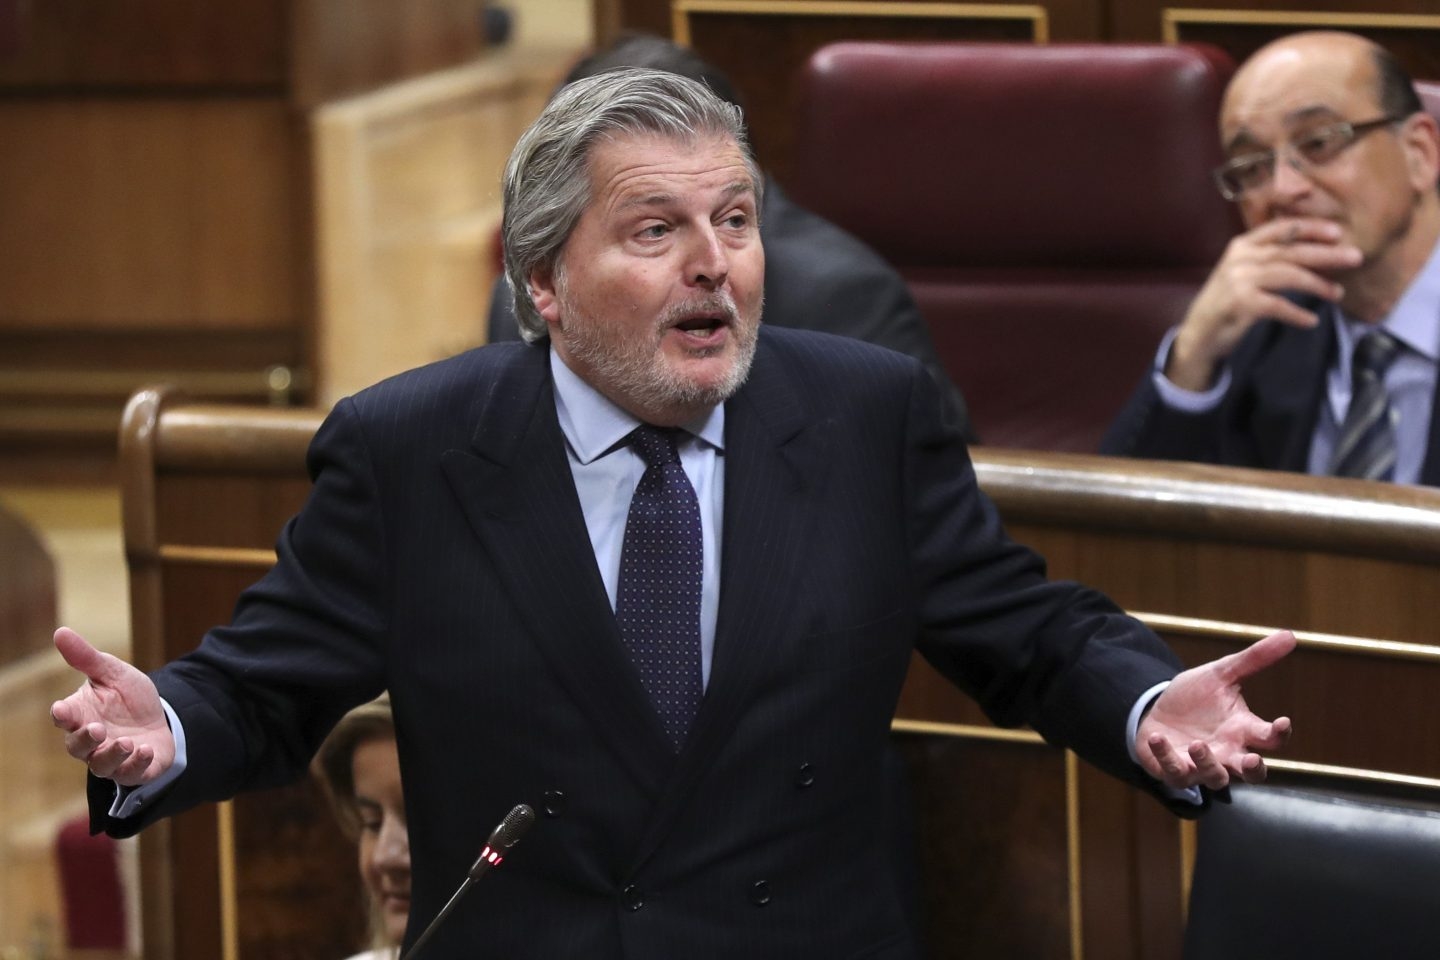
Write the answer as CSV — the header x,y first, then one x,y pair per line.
x,y
1174,768
1268,736
109,756
1289,230
1208,771
133,769
1252,768
1256,657
79,654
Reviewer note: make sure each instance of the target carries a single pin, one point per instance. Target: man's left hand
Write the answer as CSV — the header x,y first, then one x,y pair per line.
x,y
1200,732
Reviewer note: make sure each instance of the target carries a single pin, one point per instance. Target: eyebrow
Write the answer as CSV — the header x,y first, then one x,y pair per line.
x,y
661,199
1243,137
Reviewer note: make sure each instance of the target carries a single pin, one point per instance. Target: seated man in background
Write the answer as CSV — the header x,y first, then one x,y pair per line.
x,y
1313,344
817,276
359,767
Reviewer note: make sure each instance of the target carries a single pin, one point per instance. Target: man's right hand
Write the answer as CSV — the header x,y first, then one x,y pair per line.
x,y
114,722
1287,255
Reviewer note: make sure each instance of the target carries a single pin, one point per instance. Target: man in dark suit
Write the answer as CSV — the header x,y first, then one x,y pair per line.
x,y
1313,345
817,276
705,746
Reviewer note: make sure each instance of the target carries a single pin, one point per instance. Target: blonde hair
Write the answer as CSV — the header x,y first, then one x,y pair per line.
x,y
333,764
334,768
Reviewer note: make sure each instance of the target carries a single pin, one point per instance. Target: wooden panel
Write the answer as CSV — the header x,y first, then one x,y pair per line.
x,y
409,212
343,47
311,50
148,214
993,864
155,44
1408,28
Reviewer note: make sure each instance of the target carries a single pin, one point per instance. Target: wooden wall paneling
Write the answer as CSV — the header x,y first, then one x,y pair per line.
x,y
143,238
156,179
340,48
1408,28
762,45
991,815
153,45
408,190
147,213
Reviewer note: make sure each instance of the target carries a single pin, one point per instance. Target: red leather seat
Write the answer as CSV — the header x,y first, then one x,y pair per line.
x,y
1050,205
91,888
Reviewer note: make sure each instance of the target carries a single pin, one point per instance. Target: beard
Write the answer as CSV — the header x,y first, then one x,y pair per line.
x,y
633,370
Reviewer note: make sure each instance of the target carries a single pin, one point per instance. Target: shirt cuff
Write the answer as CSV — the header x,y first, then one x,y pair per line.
x,y
1132,729
129,800
1178,398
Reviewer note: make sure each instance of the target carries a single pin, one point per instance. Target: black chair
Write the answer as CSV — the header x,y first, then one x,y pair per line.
x,y
1313,874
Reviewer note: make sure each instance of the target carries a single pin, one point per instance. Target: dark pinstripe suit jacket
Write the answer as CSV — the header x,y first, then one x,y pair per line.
x,y
443,554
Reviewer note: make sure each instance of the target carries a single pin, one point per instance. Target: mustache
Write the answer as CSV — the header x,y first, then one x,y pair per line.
x,y
718,303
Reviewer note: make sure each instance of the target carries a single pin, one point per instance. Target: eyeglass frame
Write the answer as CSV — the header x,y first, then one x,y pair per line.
x,y
1297,162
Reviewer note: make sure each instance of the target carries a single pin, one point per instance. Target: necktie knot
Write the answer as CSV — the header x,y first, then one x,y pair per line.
x,y
655,445
1374,353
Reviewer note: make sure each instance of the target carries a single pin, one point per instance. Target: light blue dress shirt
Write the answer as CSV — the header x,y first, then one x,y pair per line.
x,y
607,471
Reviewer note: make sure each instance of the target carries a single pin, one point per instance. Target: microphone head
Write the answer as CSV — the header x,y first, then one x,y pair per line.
x,y
512,828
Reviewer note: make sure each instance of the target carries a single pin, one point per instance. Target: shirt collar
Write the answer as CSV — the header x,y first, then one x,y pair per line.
x,y
1415,318
594,425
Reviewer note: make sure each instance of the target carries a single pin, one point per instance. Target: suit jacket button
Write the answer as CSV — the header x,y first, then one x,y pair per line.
x,y
553,803
760,893
632,898
805,776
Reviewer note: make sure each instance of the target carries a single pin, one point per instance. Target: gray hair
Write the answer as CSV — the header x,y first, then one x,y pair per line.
x,y
547,180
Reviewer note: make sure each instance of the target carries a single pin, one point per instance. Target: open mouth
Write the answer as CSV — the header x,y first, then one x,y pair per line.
x,y
702,325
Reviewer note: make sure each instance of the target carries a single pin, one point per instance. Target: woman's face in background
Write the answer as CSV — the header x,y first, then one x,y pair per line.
x,y
384,838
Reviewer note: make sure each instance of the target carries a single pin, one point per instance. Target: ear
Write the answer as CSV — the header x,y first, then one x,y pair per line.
x,y
544,296
1422,140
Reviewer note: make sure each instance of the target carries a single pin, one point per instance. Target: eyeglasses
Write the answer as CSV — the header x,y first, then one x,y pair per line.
x,y
1313,148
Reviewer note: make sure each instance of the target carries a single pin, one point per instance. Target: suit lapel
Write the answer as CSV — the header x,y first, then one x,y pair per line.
x,y
1289,385
774,461
516,490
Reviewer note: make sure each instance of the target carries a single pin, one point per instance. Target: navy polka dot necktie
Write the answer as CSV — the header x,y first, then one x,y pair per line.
x,y
1366,448
658,601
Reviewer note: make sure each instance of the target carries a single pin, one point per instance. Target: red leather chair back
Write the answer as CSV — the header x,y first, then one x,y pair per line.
x,y
91,888
1050,205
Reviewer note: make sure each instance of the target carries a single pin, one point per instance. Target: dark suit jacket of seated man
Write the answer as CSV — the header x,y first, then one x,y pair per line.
x,y
1343,239
461,549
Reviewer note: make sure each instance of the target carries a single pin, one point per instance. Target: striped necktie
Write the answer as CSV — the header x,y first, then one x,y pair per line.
x,y
1367,438
657,604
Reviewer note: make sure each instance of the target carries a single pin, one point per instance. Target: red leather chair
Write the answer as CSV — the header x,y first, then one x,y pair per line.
x,y
91,887
1050,205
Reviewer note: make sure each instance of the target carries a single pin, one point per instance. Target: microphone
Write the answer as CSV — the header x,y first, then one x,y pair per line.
x,y
501,839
